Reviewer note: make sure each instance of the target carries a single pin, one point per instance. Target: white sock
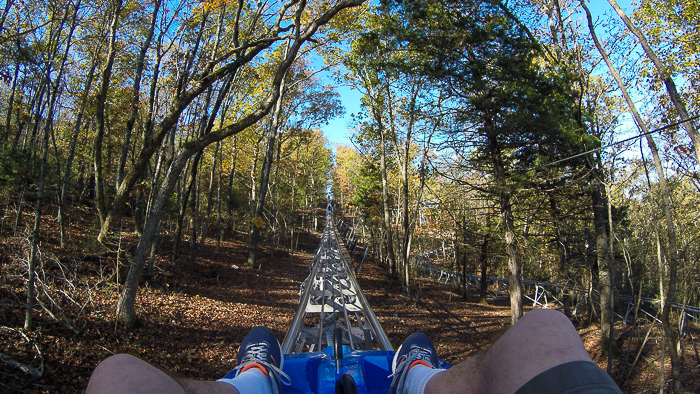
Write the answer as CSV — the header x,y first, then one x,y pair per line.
x,y
417,378
250,381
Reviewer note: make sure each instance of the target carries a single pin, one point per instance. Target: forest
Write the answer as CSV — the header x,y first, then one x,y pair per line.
x,y
538,140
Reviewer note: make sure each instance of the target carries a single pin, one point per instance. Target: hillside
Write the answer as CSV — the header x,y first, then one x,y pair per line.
x,y
194,314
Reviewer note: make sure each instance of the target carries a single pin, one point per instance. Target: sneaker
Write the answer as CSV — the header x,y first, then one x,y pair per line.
x,y
416,349
261,349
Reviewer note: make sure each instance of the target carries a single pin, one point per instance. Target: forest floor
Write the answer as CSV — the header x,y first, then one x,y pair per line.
x,y
194,314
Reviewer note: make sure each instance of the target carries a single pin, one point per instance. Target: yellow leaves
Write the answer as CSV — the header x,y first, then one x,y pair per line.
x,y
347,168
215,5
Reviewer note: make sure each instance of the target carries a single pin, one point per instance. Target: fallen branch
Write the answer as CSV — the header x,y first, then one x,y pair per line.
x,y
22,367
57,306
35,372
85,257
639,352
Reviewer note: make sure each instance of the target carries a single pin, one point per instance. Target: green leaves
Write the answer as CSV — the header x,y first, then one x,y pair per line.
x,y
15,168
368,196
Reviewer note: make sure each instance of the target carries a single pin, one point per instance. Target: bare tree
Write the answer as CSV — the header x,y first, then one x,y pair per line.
x,y
665,75
54,92
101,102
136,88
271,134
674,258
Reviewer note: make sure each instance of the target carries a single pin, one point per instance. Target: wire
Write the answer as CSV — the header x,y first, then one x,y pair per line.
x,y
668,126
524,171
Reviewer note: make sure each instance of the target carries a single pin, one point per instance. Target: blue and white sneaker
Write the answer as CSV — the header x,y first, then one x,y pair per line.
x,y
261,349
417,349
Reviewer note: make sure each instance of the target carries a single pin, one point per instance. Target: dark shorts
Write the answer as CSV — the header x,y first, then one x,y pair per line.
x,y
571,378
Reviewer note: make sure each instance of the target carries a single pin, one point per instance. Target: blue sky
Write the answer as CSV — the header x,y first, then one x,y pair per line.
x,y
338,129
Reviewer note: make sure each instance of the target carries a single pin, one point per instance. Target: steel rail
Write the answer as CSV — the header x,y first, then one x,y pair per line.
x,y
298,320
373,322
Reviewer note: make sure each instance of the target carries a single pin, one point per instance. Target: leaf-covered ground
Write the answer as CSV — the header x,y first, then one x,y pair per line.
x,y
194,314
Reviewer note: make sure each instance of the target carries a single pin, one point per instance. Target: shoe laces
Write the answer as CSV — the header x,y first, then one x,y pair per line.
x,y
257,353
414,354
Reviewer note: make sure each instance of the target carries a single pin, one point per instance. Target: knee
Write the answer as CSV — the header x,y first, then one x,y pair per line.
x,y
119,362
546,323
112,370
546,318
552,328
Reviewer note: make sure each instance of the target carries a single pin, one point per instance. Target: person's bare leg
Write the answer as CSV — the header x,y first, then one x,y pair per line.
x,y
123,373
542,339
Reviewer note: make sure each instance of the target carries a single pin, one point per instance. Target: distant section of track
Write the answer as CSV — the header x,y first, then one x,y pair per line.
x,y
543,290
332,308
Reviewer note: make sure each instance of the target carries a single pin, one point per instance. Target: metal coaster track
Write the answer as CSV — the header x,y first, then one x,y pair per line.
x,y
542,292
332,308
335,343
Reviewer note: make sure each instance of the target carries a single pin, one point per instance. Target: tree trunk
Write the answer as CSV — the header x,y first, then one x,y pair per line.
x,y
208,126
5,12
410,229
499,173
155,134
28,321
34,105
387,212
464,257
52,102
244,55
386,223
483,262
10,102
231,177
219,185
205,127
194,217
150,268
210,195
126,312
40,106
564,264
191,179
592,286
670,335
63,193
274,202
406,239
264,180
600,219
54,91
